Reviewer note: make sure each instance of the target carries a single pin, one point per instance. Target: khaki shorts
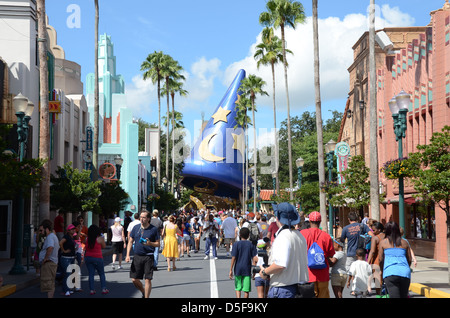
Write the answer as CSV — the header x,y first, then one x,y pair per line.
x,y
48,276
228,240
339,280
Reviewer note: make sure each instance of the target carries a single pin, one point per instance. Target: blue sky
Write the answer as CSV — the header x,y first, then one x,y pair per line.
x,y
212,40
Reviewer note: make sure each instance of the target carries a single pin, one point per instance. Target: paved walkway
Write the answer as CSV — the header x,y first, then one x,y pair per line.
x,y
430,278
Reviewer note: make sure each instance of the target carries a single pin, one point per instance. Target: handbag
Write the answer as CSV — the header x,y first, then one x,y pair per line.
x,y
305,290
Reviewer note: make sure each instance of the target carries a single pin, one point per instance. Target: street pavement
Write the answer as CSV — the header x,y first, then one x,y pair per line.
x,y
194,278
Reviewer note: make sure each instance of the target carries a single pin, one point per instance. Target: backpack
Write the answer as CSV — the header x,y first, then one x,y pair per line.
x,y
316,257
364,240
254,231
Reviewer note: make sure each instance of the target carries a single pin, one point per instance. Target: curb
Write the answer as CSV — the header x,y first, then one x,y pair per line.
x,y
7,290
427,291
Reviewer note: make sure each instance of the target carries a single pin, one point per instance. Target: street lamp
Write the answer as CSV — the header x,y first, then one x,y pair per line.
x,y
154,175
164,180
118,161
399,106
24,110
300,162
329,149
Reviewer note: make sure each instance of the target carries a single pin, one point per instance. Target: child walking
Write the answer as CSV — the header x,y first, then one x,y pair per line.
x,y
359,274
243,256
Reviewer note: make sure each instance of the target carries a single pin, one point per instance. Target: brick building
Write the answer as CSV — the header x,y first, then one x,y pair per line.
x,y
416,60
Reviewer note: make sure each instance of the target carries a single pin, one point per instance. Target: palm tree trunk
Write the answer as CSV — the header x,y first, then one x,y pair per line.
x,y
321,163
275,135
167,130
255,155
96,101
291,185
44,129
374,191
158,156
173,141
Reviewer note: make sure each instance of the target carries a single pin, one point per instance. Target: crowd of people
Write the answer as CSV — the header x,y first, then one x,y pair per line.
x,y
280,253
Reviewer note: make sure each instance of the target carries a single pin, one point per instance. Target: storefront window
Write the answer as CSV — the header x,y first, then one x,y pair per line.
x,y
423,222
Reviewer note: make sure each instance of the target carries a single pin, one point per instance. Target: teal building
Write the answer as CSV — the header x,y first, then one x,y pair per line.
x,y
118,134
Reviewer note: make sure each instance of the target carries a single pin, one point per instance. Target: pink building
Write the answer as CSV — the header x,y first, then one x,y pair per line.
x,y
416,60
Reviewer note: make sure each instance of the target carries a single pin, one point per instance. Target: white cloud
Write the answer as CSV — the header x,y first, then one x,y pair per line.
x,y
140,95
336,39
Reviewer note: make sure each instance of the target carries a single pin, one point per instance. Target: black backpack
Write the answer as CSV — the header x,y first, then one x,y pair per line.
x,y
254,231
363,239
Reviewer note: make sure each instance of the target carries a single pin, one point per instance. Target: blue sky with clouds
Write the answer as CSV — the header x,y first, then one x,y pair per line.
x,y
212,40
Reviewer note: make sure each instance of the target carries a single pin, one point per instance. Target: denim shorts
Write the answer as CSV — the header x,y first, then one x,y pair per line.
x,y
283,292
261,282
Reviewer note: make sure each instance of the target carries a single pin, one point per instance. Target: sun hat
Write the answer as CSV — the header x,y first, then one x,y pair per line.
x,y
315,216
70,227
286,213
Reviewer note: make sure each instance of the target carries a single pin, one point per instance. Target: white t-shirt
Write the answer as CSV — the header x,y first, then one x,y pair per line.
x,y
361,271
50,241
229,227
289,250
132,224
339,267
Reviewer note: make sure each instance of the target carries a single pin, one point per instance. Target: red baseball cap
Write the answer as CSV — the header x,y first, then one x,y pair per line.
x,y
315,216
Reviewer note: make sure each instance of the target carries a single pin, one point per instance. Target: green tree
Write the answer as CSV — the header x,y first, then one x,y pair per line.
x,y
252,86
355,191
113,198
15,175
73,190
282,14
270,52
430,174
152,68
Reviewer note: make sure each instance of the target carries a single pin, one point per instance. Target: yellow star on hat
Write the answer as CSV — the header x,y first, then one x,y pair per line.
x,y
221,115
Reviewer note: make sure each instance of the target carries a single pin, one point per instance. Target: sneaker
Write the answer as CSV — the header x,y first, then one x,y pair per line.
x,y
113,267
105,291
67,293
120,267
206,257
228,254
92,292
216,257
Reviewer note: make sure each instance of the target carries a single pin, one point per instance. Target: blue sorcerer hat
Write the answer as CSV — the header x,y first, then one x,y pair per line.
x,y
286,213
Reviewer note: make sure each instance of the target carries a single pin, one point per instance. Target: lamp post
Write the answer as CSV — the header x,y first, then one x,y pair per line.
x,y
164,180
24,109
118,161
329,149
399,108
154,175
300,162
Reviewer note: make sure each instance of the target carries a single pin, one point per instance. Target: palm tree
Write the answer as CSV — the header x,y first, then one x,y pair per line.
x,y
270,52
152,67
44,133
242,120
321,161
281,14
170,70
251,86
175,87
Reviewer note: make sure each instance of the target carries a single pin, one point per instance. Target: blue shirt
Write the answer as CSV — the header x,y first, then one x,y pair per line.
x,y
351,232
151,233
243,251
396,263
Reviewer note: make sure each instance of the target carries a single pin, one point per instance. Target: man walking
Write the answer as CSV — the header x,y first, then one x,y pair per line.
x,y
320,273
288,259
145,238
229,226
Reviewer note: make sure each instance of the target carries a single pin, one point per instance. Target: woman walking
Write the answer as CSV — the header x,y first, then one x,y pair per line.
x,y
395,257
68,250
170,251
118,242
93,258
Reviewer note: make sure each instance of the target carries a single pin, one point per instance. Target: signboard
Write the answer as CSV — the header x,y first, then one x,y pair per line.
x,y
54,106
342,152
107,171
89,147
